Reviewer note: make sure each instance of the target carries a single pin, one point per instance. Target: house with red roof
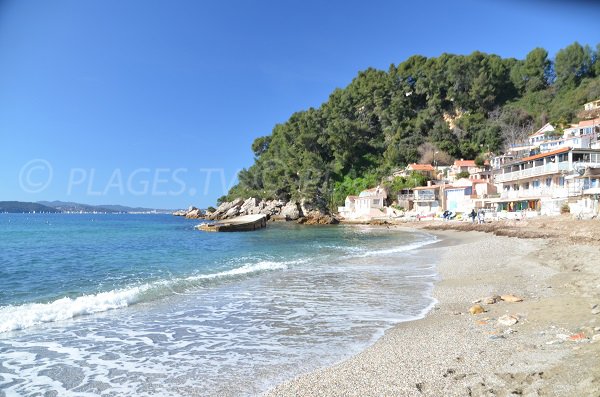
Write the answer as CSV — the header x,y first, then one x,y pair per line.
x,y
426,170
475,171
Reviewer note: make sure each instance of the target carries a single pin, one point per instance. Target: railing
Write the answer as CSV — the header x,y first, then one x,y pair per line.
x,y
406,196
551,168
544,192
425,197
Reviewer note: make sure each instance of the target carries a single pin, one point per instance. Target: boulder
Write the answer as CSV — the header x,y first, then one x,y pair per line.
x,y
272,207
237,202
290,211
248,206
232,212
223,209
316,217
194,214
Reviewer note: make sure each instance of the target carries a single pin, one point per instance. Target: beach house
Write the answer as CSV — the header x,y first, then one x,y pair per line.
x,y
369,203
427,199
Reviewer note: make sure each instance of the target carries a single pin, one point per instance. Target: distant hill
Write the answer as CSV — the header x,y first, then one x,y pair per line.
x,y
67,206
21,207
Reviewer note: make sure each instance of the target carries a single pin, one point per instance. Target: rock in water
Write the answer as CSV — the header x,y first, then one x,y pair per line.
x,y
194,214
476,309
511,298
508,320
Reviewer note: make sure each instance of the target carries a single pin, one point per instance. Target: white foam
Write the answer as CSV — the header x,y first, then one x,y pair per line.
x,y
243,270
402,248
24,316
18,317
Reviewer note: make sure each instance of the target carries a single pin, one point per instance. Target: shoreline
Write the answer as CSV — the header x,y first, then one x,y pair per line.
x,y
551,351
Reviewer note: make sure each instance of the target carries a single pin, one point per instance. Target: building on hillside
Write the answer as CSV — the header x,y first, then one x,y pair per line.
x,y
592,105
469,166
540,135
426,170
585,128
498,161
582,135
545,181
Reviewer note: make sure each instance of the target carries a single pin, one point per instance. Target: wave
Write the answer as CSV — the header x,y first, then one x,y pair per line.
x,y
402,248
13,318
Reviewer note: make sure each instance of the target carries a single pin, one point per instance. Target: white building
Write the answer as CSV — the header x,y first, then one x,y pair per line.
x,y
540,135
368,204
545,181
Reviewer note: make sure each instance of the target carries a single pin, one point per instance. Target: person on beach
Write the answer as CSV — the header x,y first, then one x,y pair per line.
x,y
473,215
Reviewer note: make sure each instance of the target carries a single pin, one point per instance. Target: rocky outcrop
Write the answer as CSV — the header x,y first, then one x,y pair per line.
x,y
290,211
190,213
273,209
195,214
318,218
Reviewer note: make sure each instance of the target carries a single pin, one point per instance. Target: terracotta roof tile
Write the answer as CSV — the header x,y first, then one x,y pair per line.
x,y
542,155
421,167
464,163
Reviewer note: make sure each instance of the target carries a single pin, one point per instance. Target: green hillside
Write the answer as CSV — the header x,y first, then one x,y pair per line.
x,y
458,106
21,207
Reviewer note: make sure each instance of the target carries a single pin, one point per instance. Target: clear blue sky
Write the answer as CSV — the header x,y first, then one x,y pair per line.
x,y
138,102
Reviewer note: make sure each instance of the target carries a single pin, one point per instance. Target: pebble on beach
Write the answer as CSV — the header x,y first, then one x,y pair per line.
x,y
490,300
511,298
508,320
476,309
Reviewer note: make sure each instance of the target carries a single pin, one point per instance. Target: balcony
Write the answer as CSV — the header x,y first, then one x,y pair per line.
x,y
550,168
406,197
541,192
425,196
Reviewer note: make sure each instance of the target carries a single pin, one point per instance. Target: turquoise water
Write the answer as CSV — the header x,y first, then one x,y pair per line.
x,y
146,305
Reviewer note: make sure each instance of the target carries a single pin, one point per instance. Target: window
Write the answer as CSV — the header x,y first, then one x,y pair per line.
x,y
375,201
548,182
561,181
526,186
536,183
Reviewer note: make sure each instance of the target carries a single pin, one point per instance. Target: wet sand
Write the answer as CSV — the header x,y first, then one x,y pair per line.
x,y
553,349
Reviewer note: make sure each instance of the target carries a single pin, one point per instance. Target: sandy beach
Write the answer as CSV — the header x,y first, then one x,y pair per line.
x,y
552,349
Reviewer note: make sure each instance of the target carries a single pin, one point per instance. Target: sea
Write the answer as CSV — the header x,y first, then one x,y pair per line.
x,y
145,305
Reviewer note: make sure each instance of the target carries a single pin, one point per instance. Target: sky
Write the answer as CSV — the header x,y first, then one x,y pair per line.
x,y
156,103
